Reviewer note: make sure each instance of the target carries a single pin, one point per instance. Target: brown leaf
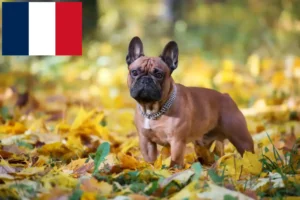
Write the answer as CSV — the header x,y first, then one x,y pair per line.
x,y
83,169
289,142
15,149
92,185
56,194
128,162
138,197
79,167
22,99
5,154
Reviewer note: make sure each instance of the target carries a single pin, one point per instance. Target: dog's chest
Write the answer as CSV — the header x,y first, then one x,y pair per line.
x,y
155,131
146,124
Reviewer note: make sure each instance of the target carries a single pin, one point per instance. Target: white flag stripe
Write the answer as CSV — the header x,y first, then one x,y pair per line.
x,y
42,28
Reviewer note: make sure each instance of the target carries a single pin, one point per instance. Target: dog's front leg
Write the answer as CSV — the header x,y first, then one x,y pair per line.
x,y
148,149
177,153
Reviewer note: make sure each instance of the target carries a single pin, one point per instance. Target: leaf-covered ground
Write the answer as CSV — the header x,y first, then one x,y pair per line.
x,y
66,126
94,154
70,134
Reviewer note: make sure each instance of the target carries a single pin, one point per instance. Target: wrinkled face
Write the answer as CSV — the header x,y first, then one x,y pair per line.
x,y
146,78
149,77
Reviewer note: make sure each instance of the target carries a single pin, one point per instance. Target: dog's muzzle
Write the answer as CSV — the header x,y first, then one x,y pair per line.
x,y
145,90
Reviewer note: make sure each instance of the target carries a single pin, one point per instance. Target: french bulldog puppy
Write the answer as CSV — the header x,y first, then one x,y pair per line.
x,y
171,114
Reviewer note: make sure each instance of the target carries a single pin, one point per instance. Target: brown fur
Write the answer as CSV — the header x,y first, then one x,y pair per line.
x,y
198,115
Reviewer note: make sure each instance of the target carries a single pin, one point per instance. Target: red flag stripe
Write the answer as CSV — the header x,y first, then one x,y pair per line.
x,y
68,28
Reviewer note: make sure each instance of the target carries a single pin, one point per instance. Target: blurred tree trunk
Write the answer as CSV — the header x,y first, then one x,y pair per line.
x,y
214,1
90,17
173,13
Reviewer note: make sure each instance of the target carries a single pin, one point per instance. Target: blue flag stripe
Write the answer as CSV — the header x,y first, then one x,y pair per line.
x,y
15,28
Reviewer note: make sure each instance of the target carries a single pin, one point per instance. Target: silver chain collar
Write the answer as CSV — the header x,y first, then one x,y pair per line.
x,y
163,109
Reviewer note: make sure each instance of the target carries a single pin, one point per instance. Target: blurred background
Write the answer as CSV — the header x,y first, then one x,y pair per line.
x,y
249,49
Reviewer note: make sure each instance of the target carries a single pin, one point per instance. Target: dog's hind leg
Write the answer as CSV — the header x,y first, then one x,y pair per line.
x,y
219,148
202,146
234,126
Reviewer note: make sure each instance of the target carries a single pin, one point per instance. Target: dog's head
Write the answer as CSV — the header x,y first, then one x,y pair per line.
x,y
149,78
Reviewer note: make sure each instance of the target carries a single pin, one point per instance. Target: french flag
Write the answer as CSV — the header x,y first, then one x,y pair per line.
x,y
42,28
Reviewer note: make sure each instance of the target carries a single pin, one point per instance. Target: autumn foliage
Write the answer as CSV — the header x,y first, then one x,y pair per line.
x,y
66,123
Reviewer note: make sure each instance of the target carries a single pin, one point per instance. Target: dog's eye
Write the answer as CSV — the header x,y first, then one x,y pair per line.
x,y
158,75
134,72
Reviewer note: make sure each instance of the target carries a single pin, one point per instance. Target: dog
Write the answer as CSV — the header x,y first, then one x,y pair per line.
x,y
171,114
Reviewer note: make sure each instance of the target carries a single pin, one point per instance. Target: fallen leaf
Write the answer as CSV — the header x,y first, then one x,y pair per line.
x,y
89,196
31,171
5,168
158,162
128,162
217,192
92,185
56,178
180,177
251,163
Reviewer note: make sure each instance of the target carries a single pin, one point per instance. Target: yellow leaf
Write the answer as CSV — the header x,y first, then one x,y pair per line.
x,y
188,192
180,177
99,117
62,127
165,152
190,158
38,126
110,161
13,127
74,164
217,192
163,172
251,163
75,145
2,129
233,165
105,188
56,149
31,171
19,128
277,79
52,147
128,162
81,117
167,161
6,168
229,148
92,185
56,178
212,147
6,177
158,162
128,145
89,196
102,132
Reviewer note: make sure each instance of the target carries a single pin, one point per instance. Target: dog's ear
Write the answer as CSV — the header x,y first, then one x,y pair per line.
x,y
135,50
170,55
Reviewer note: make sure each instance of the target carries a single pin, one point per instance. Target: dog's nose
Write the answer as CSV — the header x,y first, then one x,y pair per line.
x,y
146,79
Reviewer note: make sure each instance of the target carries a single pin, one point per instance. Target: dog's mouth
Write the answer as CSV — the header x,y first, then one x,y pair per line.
x,y
145,90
